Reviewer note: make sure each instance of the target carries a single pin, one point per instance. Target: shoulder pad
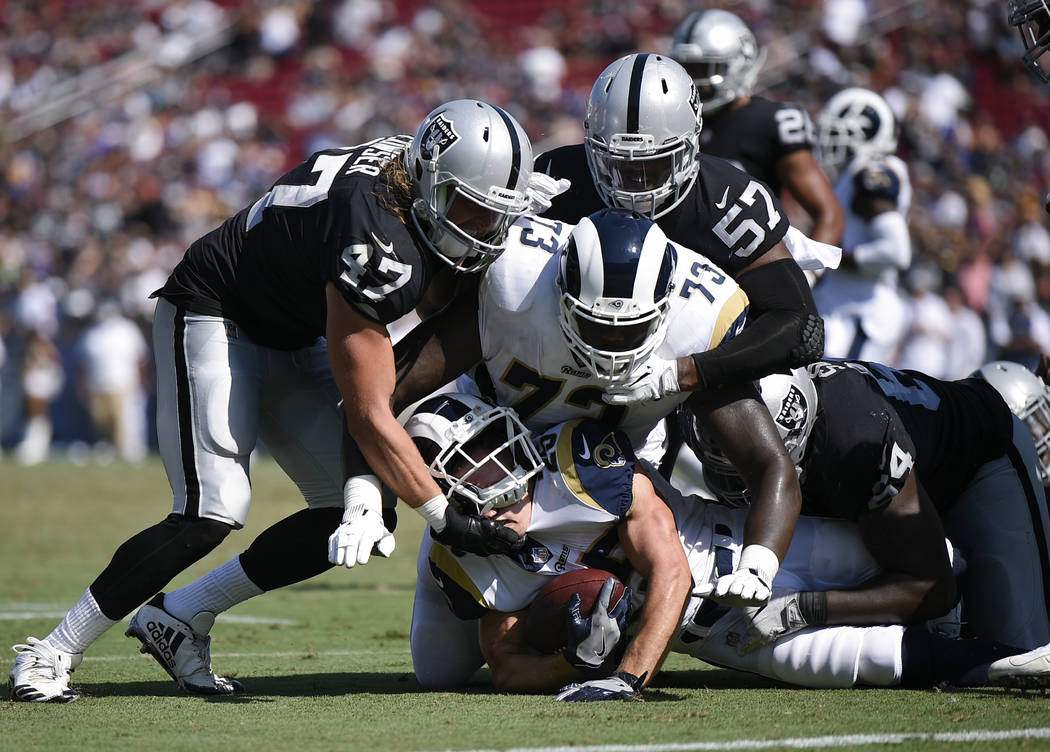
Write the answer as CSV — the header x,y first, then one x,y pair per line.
x,y
596,463
513,281
877,180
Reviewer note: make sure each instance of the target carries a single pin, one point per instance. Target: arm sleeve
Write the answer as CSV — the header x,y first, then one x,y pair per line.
x,y
890,244
784,330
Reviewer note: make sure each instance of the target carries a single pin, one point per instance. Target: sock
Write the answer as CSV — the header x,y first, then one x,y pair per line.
x,y
84,624
218,590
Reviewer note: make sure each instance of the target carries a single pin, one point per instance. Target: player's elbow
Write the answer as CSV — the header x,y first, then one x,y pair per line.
x,y
939,596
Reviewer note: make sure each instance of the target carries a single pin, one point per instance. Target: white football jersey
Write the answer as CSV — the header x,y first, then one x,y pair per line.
x,y
529,362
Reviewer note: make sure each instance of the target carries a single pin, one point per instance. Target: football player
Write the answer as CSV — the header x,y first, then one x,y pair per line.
x,y
339,247
592,504
1032,19
865,316
641,151
627,301
896,450
773,141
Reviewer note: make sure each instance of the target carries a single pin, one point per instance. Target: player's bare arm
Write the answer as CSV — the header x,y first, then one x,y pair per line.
x,y
738,422
802,176
651,541
907,539
434,353
362,361
515,666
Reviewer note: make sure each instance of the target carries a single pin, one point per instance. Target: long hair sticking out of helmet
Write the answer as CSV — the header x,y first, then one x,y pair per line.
x,y
469,163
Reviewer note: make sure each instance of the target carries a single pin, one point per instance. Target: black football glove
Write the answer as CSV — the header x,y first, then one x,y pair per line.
x,y
477,535
592,640
619,686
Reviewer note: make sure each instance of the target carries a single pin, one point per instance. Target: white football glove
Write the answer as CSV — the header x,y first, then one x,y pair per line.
x,y
655,379
767,624
619,686
542,189
362,529
750,584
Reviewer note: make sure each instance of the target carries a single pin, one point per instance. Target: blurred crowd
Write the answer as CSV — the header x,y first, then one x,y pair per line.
x,y
130,129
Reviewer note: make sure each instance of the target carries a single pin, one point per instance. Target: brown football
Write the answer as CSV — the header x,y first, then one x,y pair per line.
x,y
545,619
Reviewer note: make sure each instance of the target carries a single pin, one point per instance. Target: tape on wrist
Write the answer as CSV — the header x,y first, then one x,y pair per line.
x,y
760,560
433,511
362,493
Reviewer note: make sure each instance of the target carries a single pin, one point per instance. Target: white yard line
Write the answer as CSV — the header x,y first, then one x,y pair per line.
x,y
845,740
27,611
280,654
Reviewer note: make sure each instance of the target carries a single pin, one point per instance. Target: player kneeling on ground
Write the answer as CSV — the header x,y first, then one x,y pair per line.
x,y
593,505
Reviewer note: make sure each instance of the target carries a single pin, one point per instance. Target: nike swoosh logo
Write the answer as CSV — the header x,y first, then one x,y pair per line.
x,y
725,197
585,454
601,653
388,247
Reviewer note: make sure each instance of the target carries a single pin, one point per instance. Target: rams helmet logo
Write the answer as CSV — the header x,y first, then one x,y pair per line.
x,y
608,453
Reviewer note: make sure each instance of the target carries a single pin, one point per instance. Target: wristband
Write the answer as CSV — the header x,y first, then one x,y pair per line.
x,y
361,493
813,605
433,511
760,560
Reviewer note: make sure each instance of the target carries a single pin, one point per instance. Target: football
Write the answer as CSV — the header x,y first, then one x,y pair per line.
x,y
545,618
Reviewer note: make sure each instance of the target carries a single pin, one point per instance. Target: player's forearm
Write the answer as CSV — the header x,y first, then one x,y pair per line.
x,y
773,513
891,598
526,672
889,247
666,597
392,455
783,329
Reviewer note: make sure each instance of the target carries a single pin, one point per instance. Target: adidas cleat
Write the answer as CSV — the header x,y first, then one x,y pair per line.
x,y
1029,670
183,650
41,673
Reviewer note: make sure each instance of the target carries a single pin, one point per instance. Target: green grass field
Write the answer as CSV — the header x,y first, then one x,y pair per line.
x,y
326,664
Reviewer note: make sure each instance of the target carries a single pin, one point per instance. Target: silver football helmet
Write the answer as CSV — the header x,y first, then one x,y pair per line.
x,y
855,122
1032,20
792,402
642,134
721,54
470,164
1029,399
616,276
481,455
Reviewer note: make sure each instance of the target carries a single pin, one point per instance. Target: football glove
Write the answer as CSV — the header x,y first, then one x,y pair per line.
x,y
767,624
542,189
362,531
619,686
477,535
750,584
592,640
657,378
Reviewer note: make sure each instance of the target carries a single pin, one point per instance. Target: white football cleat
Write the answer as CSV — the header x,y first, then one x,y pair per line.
x,y
1029,670
184,650
41,673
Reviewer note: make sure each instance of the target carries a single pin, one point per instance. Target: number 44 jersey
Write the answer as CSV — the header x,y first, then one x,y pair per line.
x,y
326,220
527,361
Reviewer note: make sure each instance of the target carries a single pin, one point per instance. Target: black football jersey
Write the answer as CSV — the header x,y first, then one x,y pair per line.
x,y
728,216
876,424
266,267
756,135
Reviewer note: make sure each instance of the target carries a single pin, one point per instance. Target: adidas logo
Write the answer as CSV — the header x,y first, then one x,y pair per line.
x,y
166,640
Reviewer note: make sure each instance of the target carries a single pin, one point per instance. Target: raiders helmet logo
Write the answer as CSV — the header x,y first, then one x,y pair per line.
x,y
792,415
438,137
